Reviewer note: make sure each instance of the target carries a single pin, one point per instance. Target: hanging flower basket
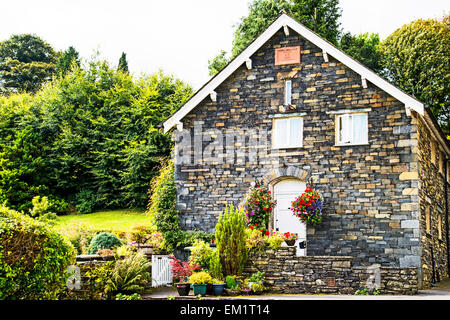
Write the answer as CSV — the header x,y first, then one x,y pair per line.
x,y
308,207
258,205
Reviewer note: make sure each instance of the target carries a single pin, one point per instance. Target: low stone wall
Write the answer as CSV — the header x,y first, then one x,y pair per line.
x,y
287,273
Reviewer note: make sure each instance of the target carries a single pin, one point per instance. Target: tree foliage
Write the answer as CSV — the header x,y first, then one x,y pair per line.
x,y
321,16
416,58
26,62
218,63
98,129
364,48
123,63
65,61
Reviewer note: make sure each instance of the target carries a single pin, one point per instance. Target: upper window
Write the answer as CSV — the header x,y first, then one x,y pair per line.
x,y
287,132
351,128
288,93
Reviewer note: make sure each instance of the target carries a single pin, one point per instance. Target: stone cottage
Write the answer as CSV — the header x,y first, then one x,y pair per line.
x,y
293,110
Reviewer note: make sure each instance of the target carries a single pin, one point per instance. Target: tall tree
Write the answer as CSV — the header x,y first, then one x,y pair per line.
x,y
416,58
364,48
322,16
218,63
123,64
22,170
68,57
26,62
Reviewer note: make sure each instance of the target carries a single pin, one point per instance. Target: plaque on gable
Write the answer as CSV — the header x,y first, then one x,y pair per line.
x,y
288,55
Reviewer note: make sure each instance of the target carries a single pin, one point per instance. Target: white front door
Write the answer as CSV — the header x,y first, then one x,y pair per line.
x,y
285,192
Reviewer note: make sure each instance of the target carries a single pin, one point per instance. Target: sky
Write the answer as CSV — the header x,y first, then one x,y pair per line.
x,y
177,36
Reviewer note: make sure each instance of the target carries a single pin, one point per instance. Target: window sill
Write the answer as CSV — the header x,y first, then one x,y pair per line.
x,y
283,148
350,144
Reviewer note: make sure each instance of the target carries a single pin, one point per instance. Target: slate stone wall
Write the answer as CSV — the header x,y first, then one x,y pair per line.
x,y
431,194
286,273
368,215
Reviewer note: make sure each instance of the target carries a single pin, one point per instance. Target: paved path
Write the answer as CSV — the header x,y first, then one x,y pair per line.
x,y
440,292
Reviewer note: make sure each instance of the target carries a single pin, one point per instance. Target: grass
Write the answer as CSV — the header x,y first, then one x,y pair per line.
x,y
112,220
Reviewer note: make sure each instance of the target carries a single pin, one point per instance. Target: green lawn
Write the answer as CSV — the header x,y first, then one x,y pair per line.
x,y
113,220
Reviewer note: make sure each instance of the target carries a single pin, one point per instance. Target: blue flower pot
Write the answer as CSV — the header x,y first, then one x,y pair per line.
x,y
199,289
218,289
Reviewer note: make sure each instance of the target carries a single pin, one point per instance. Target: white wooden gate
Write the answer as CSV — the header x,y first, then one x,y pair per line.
x,y
161,273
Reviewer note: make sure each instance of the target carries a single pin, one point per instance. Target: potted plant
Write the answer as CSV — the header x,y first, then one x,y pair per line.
x,y
290,238
199,281
218,287
180,271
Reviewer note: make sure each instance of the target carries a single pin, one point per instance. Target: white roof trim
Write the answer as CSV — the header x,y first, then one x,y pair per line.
x,y
285,20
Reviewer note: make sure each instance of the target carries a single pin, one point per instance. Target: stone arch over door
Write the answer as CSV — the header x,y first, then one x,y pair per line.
x,y
276,175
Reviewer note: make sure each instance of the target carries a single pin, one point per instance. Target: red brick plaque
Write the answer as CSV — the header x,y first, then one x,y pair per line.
x,y
288,55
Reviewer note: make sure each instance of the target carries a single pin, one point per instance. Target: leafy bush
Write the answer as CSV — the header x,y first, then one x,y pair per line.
x,y
231,240
130,274
201,254
104,240
80,236
231,282
33,258
181,269
255,239
257,277
201,277
134,296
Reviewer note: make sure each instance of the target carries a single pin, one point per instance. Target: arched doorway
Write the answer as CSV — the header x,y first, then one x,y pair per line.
x,y
285,191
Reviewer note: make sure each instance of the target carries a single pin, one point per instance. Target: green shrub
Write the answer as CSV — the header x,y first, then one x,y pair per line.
x,y
134,296
104,240
215,266
201,277
231,240
231,282
80,236
201,254
130,274
33,258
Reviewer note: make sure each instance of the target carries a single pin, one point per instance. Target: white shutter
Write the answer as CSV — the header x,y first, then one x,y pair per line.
x,y
359,128
296,132
280,130
287,133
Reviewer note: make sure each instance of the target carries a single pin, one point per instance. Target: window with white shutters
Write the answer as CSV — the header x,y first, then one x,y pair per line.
x,y
287,132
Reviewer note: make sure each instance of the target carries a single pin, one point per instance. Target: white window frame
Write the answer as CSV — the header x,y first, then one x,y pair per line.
x,y
350,132
289,143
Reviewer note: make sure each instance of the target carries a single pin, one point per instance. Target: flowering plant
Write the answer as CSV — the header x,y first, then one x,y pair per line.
x,y
181,270
274,240
290,236
258,205
308,207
